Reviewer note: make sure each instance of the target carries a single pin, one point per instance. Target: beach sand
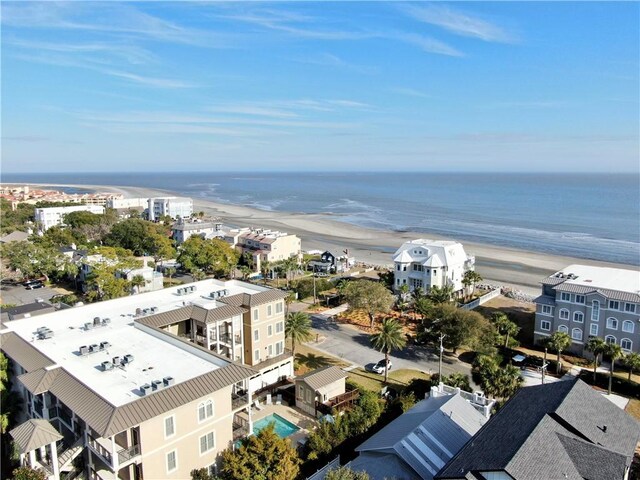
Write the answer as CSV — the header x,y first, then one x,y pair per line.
x,y
519,269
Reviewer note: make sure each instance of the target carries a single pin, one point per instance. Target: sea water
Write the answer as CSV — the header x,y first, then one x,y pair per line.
x,y
594,216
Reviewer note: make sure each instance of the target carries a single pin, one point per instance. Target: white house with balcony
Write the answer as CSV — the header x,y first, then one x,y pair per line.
x,y
425,263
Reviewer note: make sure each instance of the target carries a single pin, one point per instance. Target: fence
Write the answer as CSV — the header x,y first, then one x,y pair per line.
x,y
481,300
320,474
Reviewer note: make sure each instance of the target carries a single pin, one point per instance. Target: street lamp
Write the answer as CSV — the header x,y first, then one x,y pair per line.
x,y
442,335
544,364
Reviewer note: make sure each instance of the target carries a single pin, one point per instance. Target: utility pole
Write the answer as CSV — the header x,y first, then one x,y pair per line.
x,y
544,364
314,285
442,335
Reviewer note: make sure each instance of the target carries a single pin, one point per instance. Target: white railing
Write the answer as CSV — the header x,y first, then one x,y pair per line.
x,y
481,300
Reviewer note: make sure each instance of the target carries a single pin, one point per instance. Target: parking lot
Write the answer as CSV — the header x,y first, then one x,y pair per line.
x,y
20,295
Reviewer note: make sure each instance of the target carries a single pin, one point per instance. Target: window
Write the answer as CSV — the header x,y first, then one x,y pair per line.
x,y
564,314
279,348
398,267
256,335
627,326
417,267
279,327
279,307
270,350
580,299
614,305
416,283
269,310
630,307
212,469
255,314
207,442
626,344
256,355
612,323
172,461
547,310
269,330
610,339
593,329
576,334
563,328
169,426
565,297
595,310
205,410
578,317
545,325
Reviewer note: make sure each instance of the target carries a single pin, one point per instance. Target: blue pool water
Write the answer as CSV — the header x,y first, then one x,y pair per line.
x,y
283,428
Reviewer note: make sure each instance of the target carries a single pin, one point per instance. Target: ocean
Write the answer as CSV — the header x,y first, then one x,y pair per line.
x,y
593,216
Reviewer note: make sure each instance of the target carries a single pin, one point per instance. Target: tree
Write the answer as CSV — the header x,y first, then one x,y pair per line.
x,y
4,379
372,297
345,473
161,247
388,338
558,341
632,362
202,474
288,300
170,272
497,381
139,236
138,281
456,380
505,327
470,278
403,297
265,268
264,456
597,346
440,294
461,327
27,473
298,329
34,260
613,351
213,256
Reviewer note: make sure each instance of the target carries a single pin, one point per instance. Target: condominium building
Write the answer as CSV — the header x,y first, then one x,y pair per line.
x,y
425,263
586,301
123,203
264,245
150,386
174,207
183,229
52,216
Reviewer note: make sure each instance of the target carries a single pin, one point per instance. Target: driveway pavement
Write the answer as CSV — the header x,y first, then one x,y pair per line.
x,y
19,295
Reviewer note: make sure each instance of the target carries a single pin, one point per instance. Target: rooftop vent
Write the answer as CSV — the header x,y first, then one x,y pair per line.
x,y
96,321
168,381
145,389
107,365
116,360
106,321
84,350
154,309
104,345
88,326
127,359
157,385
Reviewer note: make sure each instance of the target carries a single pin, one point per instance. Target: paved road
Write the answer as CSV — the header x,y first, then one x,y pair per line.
x,y
353,346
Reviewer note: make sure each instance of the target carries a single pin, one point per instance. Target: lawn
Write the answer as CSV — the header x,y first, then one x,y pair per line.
x,y
633,408
398,379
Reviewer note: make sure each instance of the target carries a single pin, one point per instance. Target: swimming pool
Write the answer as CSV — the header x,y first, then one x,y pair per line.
x,y
283,428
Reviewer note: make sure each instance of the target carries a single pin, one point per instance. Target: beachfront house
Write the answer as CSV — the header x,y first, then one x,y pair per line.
x,y
423,263
183,229
52,216
174,207
264,245
585,301
322,390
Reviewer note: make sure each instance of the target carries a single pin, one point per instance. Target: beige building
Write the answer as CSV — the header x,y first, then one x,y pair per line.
x,y
265,245
322,390
148,386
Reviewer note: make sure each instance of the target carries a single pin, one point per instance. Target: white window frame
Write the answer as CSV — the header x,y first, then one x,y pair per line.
x,y
630,307
625,340
577,315
256,335
595,310
593,331
208,408
255,315
564,314
610,337
256,355
611,323
279,348
628,330
614,305
269,330
563,328
565,296
269,310
175,461
547,323
280,327
270,350
580,299
173,424
576,334
279,307
547,310
206,439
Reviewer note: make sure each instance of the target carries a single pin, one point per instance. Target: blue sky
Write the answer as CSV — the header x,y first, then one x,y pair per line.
x,y
207,86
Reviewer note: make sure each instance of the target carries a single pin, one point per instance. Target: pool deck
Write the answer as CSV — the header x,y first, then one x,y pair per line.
x,y
305,422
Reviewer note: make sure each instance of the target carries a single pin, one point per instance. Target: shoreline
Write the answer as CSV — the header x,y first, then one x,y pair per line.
x,y
519,269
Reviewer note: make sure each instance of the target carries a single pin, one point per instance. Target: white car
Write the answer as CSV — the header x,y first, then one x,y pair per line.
x,y
380,368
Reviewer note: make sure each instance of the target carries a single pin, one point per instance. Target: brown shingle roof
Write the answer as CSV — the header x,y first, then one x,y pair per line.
x,y
322,377
34,433
22,352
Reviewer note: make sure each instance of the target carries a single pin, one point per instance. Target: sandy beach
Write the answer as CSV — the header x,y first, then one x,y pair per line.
x,y
520,269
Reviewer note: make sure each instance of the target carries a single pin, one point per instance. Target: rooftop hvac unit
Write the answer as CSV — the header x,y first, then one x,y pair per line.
x,y
88,326
138,311
106,321
96,321
93,348
154,309
46,334
84,350
145,389
128,358
180,291
107,365
157,384
116,360
41,330
168,381
104,345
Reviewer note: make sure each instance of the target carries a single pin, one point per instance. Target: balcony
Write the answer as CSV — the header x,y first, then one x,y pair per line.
x,y
126,454
102,446
338,403
238,401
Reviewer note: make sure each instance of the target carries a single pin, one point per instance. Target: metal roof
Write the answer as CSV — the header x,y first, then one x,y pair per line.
x,y
322,377
39,381
23,353
196,312
613,294
545,300
254,299
34,433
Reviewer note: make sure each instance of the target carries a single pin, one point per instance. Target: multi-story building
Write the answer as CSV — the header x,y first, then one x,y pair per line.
x,y
586,301
183,229
123,203
150,386
174,207
425,263
152,280
52,216
264,245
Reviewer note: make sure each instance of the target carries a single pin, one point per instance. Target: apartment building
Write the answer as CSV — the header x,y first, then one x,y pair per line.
x,y
123,203
585,301
183,229
264,245
149,386
174,207
424,263
52,216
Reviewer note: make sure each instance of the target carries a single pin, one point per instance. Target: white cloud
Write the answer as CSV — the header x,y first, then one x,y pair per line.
x,y
410,92
428,44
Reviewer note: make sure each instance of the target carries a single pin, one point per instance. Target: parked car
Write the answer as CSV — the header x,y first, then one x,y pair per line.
x,y
35,284
380,367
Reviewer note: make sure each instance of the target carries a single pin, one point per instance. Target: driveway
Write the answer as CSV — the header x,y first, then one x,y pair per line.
x,y
19,295
353,346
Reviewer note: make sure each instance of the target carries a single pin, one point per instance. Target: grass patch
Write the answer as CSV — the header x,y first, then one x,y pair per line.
x,y
633,408
398,379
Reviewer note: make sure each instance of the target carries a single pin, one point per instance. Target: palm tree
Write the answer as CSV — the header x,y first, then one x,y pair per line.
x,y
341,287
265,267
138,281
505,327
632,362
298,329
440,294
559,341
388,338
597,346
289,299
403,297
470,278
170,271
614,352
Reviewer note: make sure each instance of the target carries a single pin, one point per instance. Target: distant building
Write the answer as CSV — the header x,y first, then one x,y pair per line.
x,y
330,263
52,216
424,263
264,245
586,301
325,386
16,236
29,310
174,207
183,229
561,430
135,203
153,280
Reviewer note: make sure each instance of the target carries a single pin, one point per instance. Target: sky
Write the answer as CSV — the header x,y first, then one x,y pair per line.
x,y
288,86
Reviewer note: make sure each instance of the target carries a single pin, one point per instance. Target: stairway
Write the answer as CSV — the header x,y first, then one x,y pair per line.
x,y
70,453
